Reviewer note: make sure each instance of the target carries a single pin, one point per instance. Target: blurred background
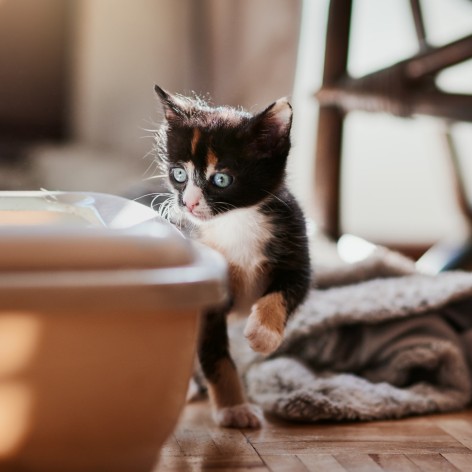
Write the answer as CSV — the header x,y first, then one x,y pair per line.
x,y
77,107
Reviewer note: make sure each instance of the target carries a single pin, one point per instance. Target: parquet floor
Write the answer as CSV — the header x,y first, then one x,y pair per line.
x,y
429,443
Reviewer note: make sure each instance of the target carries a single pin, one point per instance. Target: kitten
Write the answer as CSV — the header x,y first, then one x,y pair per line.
x,y
226,168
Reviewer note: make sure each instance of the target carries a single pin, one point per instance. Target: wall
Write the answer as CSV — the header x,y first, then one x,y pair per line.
x,y
122,49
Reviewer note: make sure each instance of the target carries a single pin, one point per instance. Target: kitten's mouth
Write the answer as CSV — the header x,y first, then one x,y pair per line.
x,y
198,214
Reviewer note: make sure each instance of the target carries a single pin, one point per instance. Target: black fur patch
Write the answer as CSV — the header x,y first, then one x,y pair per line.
x,y
287,251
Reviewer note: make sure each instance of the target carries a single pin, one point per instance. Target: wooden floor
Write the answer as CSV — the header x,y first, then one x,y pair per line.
x,y
432,443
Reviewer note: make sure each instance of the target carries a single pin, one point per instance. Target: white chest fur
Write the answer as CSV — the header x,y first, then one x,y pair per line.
x,y
241,236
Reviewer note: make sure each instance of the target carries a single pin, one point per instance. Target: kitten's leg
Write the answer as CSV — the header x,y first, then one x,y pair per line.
x,y
230,407
266,324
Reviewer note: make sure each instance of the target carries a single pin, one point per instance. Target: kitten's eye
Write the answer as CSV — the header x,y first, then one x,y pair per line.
x,y
221,180
178,174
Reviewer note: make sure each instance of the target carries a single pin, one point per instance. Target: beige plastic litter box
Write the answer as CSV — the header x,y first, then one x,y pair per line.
x,y
99,305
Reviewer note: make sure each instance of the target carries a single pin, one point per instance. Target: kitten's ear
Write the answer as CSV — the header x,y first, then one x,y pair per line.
x,y
276,119
269,130
174,107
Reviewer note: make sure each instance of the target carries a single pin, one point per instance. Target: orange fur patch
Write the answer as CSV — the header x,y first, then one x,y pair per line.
x,y
212,160
227,390
236,279
195,139
272,312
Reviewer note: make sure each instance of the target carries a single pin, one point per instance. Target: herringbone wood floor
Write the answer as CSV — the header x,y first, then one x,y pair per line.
x,y
430,443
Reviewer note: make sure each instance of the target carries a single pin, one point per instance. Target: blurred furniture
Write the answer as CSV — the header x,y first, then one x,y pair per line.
x,y
404,89
34,53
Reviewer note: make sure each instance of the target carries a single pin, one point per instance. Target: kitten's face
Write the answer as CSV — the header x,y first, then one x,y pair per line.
x,y
221,159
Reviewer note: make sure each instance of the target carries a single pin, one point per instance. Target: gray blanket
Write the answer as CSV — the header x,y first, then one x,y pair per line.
x,y
374,340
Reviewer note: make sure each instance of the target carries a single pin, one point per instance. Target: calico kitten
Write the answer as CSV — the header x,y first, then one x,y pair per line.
x,y
226,168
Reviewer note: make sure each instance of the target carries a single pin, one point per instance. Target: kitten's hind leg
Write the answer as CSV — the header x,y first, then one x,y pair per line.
x,y
229,404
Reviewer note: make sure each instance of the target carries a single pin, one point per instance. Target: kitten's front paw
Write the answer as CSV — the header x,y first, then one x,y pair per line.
x,y
244,415
261,338
265,326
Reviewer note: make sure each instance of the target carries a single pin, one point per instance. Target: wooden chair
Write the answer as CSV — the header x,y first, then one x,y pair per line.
x,y
404,89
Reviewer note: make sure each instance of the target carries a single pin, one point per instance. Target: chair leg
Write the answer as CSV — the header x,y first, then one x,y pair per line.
x,y
328,171
330,122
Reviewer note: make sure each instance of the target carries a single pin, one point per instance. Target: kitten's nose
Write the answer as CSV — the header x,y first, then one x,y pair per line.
x,y
191,205
192,196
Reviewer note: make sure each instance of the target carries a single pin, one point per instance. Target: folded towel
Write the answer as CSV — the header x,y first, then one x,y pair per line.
x,y
374,340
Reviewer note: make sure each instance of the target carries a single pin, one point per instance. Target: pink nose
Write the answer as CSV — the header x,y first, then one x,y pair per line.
x,y
191,205
191,196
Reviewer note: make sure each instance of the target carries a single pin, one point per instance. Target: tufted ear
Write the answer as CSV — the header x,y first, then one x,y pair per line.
x,y
175,108
276,118
269,130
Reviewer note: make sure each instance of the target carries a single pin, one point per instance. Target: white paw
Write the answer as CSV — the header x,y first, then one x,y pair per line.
x,y
244,415
261,338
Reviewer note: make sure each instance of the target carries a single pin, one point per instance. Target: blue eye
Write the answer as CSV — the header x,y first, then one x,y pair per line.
x,y
178,174
221,180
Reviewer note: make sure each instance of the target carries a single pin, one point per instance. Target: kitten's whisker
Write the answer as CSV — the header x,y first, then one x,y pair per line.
x,y
224,206
162,207
165,204
151,169
181,217
152,205
151,151
147,195
149,121
277,198
160,176
225,203
154,129
160,194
